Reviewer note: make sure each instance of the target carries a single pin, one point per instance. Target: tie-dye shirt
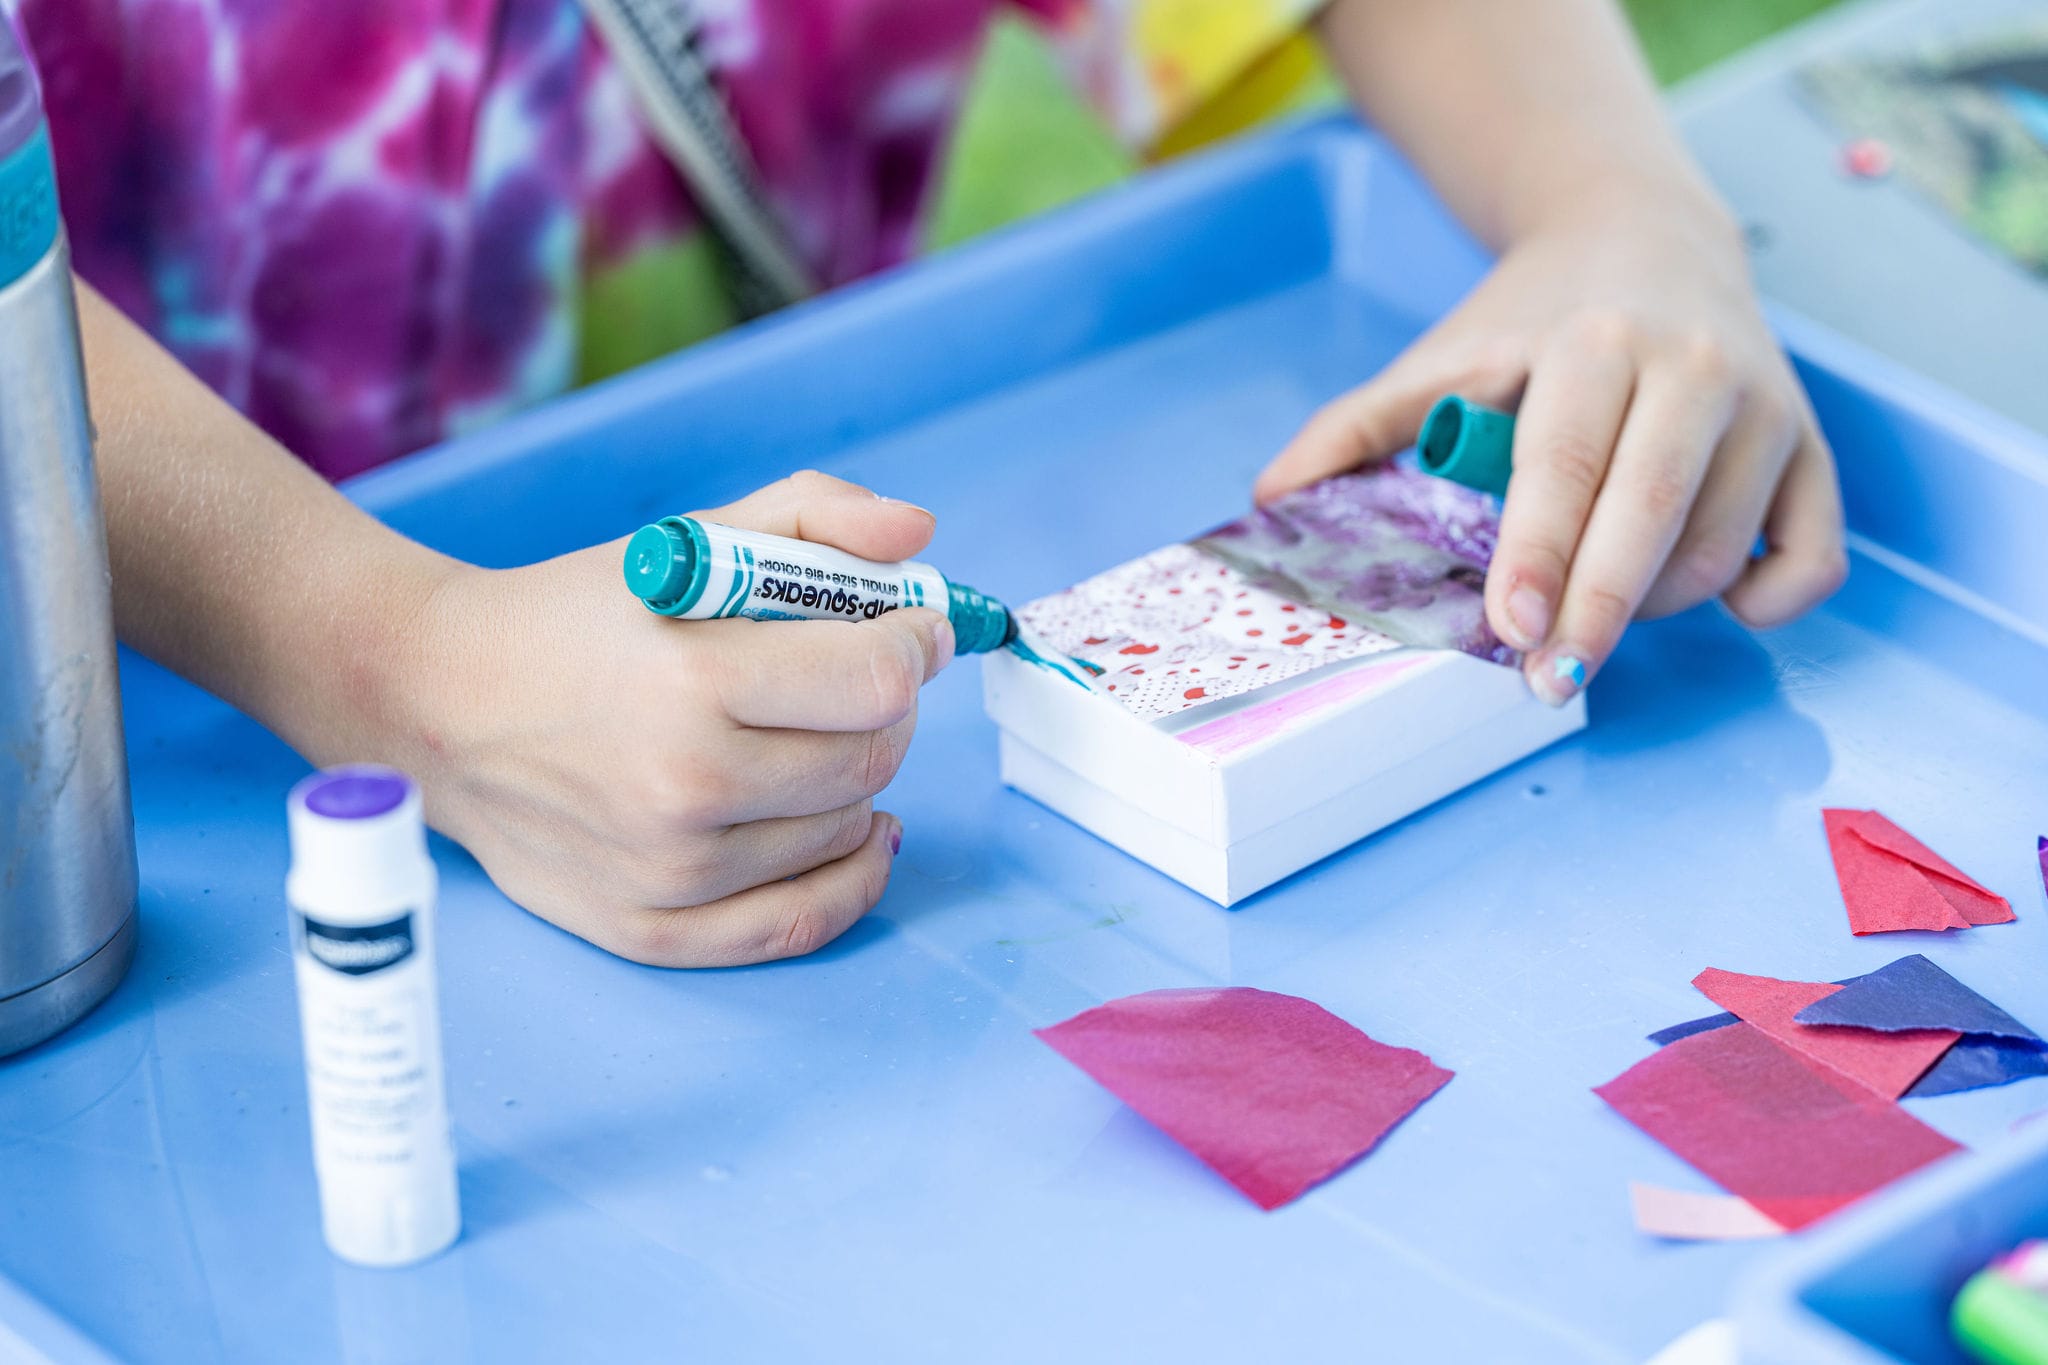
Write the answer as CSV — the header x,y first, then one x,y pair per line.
x,y
370,224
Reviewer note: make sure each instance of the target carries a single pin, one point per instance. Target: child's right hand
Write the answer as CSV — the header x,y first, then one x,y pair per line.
x,y
683,793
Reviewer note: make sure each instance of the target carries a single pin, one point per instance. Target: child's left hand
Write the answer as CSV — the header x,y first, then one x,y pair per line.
x,y
1660,432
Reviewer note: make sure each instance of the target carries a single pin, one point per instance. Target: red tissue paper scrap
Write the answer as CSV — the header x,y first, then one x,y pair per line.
x,y
1273,1092
1796,1140
1888,1063
1890,880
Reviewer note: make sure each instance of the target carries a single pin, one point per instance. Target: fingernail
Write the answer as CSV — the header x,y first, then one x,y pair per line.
x,y
899,502
1529,616
895,841
1560,679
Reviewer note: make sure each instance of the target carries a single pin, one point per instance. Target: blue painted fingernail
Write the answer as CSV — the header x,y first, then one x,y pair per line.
x,y
1569,668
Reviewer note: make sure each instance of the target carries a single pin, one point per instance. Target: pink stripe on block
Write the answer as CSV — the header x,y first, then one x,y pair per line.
x,y
1254,725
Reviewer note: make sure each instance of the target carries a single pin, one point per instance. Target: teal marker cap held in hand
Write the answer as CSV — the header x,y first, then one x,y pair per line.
x,y
1468,444
667,565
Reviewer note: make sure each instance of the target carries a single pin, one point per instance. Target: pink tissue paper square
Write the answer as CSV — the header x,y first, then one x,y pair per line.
x,y
1274,1092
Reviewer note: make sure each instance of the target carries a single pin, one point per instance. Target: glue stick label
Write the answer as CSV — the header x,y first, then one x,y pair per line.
x,y
368,1073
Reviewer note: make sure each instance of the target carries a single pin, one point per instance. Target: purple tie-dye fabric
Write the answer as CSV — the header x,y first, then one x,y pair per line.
x,y
366,222
371,224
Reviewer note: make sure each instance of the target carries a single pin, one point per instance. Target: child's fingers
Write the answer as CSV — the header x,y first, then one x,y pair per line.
x,y
828,675
780,919
776,773
1804,561
1714,549
813,506
1564,437
755,854
1382,417
1675,422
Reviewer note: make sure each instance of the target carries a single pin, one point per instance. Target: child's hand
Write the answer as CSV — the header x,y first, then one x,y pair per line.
x,y
685,793
1660,431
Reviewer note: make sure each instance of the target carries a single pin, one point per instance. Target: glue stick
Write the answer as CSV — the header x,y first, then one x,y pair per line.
x,y
361,893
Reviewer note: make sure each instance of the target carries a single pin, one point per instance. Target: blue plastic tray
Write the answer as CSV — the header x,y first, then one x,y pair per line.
x,y
865,1155
1875,1284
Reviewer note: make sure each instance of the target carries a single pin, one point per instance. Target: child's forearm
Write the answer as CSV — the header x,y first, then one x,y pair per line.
x,y
1520,112
233,563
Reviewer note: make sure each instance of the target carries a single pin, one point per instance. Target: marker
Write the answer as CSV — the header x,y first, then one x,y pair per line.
x,y
702,571
1466,443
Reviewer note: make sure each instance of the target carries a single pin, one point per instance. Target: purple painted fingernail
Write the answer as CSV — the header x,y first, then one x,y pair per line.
x,y
896,841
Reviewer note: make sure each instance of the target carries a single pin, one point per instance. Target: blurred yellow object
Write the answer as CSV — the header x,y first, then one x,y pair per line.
x,y
1271,85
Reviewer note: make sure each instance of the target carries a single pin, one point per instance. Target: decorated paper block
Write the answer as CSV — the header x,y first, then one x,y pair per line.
x,y
1356,565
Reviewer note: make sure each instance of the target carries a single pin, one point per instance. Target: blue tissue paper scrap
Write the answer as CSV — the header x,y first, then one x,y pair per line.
x,y
1913,993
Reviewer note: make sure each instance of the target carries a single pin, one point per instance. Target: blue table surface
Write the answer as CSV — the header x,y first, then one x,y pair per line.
x,y
865,1154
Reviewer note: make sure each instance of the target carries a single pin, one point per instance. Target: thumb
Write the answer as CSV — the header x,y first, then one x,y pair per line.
x,y
1382,417
817,507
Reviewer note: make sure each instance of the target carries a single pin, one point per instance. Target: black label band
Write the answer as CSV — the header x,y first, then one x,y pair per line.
x,y
360,949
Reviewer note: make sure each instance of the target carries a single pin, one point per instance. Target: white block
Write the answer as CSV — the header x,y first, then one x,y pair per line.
x,y
1230,797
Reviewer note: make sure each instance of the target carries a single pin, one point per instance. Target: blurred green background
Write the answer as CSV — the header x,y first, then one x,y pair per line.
x,y
1025,144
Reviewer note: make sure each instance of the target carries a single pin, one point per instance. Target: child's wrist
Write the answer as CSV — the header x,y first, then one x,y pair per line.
x,y
361,690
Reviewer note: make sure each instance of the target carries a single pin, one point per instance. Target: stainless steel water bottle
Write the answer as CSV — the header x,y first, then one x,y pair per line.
x,y
67,837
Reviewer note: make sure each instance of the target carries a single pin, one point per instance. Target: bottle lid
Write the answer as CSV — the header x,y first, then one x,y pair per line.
x,y
668,564
1468,444
28,178
358,839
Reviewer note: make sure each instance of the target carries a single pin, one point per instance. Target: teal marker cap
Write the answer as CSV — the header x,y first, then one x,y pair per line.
x,y
1468,444
668,564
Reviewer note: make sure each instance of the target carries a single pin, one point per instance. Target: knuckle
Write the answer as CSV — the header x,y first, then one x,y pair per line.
x,y
1603,329
799,931
894,672
1708,570
1571,458
881,757
1703,358
1663,492
849,833
686,792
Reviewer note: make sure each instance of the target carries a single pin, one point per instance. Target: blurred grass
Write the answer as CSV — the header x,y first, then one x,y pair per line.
x,y
1026,144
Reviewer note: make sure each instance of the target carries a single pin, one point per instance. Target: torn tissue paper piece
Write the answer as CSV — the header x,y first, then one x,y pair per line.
x,y
1354,565
1976,1063
1687,1216
1795,1139
1273,1092
1913,993
1891,881
1888,1063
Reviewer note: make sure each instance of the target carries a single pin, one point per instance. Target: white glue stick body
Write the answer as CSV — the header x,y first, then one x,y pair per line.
x,y
361,891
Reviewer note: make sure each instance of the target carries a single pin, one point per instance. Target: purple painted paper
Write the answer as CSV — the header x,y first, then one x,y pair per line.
x,y
1401,551
1913,993
1664,1037
1980,1060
